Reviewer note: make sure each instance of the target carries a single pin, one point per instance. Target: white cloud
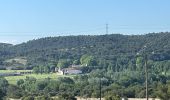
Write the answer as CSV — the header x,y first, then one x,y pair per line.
x,y
8,41
15,39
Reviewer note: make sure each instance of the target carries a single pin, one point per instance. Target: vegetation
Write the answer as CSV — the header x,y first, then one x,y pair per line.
x,y
14,79
116,62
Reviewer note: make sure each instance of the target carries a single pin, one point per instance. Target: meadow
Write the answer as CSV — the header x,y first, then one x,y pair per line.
x,y
39,77
11,71
14,79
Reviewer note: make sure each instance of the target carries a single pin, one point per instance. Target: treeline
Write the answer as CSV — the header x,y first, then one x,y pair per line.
x,y
117,61
113,86
109,47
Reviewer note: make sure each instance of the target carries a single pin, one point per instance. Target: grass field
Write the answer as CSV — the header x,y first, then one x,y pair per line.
x,y
14,79
10,71
39,77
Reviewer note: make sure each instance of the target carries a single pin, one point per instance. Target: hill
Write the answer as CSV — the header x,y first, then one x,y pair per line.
x,y
109,47
4,52
113,64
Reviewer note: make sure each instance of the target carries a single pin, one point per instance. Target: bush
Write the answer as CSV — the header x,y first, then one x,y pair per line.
x,y
65,96
14,91
43,98
28,98
111,96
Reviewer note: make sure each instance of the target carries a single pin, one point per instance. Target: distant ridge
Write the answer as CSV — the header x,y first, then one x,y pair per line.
x,y
49,49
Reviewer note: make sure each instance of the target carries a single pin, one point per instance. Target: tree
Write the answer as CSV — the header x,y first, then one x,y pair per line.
x,y
36,69
66,96
43,97
76,62
52,68
66,80
41,69
14,91
2,94
3,87
139,63
88,60
28,98
163,92
20,82
63,63
112,96
46,69
40,85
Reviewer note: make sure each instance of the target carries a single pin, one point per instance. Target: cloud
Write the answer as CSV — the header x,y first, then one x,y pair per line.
x,y
9,41
15,39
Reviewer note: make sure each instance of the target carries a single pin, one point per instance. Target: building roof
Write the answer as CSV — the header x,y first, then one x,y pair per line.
x,y
73,71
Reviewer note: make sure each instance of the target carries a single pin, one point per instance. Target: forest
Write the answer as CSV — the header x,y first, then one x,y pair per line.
x,y
113,65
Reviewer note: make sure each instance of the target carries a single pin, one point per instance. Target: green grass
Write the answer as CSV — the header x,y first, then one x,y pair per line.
x,y
39,77
14,79
10,71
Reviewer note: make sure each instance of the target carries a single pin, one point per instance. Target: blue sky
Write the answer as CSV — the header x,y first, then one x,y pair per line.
x,y
23,20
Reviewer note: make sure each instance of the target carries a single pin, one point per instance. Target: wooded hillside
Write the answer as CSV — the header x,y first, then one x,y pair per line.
x,y
108,47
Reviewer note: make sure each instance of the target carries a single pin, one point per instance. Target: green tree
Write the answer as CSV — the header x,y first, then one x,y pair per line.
x,y
139,63
112,96
66,96
163,92
2,94
47,69
36,69
88,60
20,82
40,85
28,98
63,63
14,91
3,87
76,62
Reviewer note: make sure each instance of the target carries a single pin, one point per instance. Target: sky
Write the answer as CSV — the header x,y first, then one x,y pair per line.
x,y
23,20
